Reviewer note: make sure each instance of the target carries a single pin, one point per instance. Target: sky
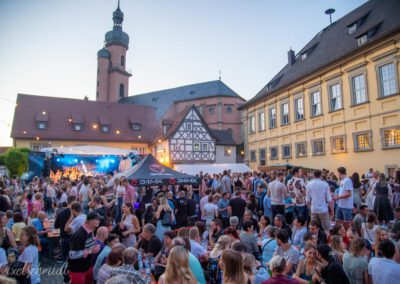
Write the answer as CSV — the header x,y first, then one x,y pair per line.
x,y
49,47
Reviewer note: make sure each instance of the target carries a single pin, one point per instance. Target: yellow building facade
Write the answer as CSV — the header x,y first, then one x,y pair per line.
x,y
345,114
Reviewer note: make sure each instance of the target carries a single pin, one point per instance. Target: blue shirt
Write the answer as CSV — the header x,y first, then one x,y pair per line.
x,y
31,255
196,269
267,207
10,223
39,226
100,260
222,203
297,236
268,249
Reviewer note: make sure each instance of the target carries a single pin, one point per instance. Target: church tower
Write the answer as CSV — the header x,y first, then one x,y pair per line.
x,y
112,77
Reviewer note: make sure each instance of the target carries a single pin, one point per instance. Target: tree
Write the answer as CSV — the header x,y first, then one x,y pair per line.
x,y
2,159
16,161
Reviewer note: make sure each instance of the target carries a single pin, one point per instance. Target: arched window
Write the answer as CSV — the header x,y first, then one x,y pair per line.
x,y
123,60
121,90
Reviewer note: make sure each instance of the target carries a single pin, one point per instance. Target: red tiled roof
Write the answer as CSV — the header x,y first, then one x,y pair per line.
x,y
62,112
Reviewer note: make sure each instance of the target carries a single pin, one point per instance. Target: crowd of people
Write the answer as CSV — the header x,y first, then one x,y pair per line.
x,y
290,226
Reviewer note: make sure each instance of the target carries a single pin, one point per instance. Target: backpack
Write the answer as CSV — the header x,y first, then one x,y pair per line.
x,y
167,219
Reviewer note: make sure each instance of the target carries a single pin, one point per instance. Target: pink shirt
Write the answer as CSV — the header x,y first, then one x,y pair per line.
x,y
130,194
37,205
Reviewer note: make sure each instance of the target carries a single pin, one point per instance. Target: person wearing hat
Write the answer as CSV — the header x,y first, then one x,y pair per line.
x,y
83,244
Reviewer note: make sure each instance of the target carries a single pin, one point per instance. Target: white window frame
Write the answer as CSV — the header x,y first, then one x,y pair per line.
x,y
285,116
272,117
189,126
77,126
359,93
261,120
297,108
204,147
105,128
252,124
316,103
196,146
42,125
393,81
335,94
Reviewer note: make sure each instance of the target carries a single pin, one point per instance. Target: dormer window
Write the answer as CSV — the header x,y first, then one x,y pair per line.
x,y
41,125
304,56
136,126
105,128
362,39
77,126
352,28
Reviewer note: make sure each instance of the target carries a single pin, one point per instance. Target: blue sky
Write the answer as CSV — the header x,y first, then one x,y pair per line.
x,y
48,47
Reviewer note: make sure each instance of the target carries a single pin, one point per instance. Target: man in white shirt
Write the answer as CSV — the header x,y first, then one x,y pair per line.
x,y
76,219
344,199
204,200
384,270
318,198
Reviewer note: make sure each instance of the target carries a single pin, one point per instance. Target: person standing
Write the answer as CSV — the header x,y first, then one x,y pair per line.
x,y
237,205
164,217
226,182
129,225
278,193
85,195
318,197
344,198
223,204
82,246
382,206
297,188
182,210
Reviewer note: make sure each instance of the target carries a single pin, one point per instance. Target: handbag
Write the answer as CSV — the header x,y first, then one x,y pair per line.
x,y
167,219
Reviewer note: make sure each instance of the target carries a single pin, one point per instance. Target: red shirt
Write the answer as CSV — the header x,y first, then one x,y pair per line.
x,y
281,279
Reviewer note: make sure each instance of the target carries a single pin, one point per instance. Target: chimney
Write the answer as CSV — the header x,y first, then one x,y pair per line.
x,y
291,57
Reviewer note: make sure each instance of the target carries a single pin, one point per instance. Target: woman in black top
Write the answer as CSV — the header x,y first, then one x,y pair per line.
x,y
382,206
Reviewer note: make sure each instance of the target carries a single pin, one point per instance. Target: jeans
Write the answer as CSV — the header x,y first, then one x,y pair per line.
x,y
64,245
301,211
277,209
196,196
344,214
118,210
85,207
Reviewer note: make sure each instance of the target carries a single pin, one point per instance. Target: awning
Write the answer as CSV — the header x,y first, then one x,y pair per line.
x,y
149,172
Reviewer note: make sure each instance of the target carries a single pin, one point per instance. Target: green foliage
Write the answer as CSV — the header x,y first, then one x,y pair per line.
x,y
16,160
2,156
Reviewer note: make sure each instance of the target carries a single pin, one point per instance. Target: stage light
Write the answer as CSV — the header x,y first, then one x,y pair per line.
x,y
76,160
58,160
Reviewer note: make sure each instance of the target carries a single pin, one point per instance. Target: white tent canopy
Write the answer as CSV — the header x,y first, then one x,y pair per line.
x,y
88,150
193,169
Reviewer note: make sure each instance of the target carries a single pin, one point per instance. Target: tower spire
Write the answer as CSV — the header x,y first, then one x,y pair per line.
x,y
118,4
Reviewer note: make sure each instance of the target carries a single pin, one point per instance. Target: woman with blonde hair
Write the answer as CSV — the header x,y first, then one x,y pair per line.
x,y
338,248
380,235
164,217
213,268
355,264
177,270
231,263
